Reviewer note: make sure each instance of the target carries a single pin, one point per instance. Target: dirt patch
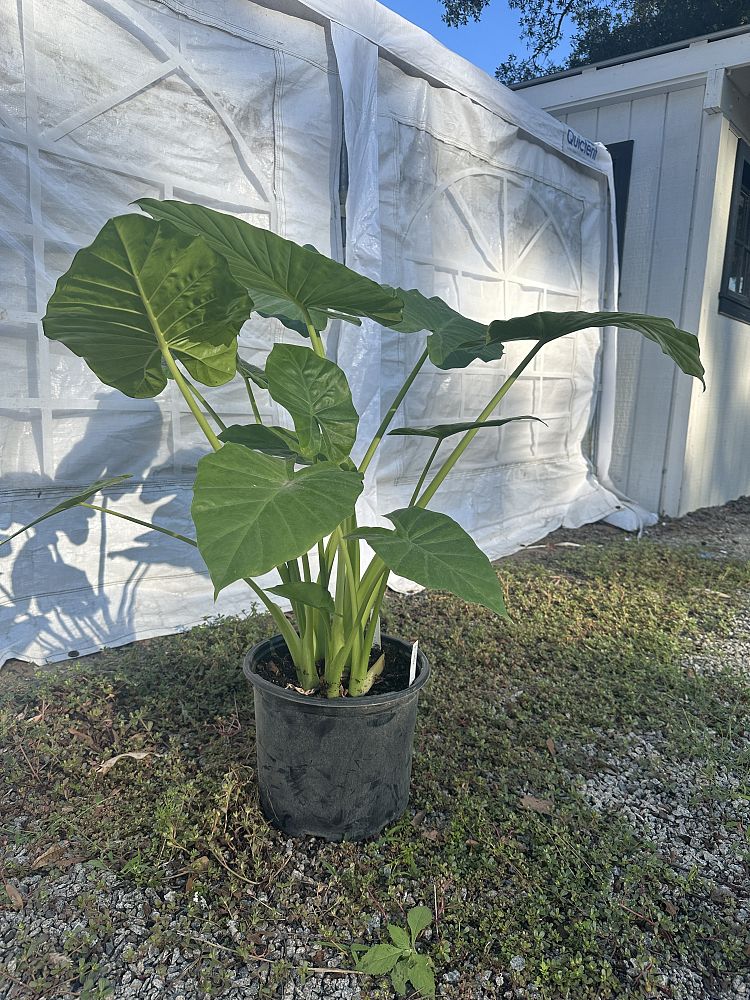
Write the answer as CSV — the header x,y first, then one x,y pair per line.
x,y
724,533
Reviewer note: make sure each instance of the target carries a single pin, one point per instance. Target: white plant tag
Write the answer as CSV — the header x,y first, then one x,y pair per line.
x,y
413,664
376,638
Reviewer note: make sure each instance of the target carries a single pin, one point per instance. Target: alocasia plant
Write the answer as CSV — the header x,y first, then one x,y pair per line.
x,y
163,296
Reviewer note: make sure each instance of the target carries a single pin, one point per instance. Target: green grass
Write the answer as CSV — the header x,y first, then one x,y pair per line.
x,y
593,652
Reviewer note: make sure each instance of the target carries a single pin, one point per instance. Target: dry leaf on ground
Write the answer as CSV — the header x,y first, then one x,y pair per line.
x,y
50,857
108,764
13,895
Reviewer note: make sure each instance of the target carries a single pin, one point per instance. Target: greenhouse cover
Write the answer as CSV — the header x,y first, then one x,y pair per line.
x,y
333,123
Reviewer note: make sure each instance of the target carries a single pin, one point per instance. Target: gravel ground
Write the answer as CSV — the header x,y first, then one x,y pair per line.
x,y
126,925
695,809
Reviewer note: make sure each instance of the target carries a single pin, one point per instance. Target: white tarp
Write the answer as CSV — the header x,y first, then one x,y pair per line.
x,y
452,184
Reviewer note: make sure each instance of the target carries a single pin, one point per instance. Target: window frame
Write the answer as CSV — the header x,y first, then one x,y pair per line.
x,y
730,303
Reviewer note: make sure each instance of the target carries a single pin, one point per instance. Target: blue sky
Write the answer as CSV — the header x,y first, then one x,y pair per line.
x,y
485,44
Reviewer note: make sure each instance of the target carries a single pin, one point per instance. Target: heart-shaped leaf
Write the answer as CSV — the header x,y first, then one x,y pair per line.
x,y
441,431
285,280
253,512
432,550
270,440
143,289
316,394
73,501
455,341
314,595
677,344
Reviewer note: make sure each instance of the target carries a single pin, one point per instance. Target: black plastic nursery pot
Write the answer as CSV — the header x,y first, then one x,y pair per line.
x,y
337,768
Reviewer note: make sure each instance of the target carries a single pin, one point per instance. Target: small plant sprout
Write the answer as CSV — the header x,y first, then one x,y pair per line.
x,y
160,298
401,960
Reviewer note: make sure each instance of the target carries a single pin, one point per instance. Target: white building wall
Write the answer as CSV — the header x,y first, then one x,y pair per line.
x,y
717,454
676,448
666,131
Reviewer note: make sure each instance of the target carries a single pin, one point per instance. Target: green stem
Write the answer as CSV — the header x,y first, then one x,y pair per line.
x,y
386,421
375,615
291,638
191,402
315,338
334,666
144,524
426,469
359,672
367,606
289,573
369,578
251,394
351,621
323,574
308,642
468,437
206,405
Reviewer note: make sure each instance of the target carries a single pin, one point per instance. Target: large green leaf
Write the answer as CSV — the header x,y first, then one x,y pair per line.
x,y
285,280
441,431
314,595
432,550
455,341
143,288
73,501
253,512
677,344
316,394
270,440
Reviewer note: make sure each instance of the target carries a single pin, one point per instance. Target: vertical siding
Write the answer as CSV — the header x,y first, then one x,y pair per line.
x,y
665,129
664,291
645,128
717,456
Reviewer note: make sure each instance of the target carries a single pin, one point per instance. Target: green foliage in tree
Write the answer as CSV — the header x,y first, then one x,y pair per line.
x,y
599,29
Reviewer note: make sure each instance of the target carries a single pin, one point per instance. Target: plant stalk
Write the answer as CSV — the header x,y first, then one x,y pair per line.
x,y
206,405
291,638
315,339
251,396
426,469
143,524
468,437
386,421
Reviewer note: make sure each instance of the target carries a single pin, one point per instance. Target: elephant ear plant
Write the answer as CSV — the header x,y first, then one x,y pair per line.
x,y
162,296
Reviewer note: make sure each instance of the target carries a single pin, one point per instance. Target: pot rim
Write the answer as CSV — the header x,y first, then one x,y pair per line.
x,y
334,704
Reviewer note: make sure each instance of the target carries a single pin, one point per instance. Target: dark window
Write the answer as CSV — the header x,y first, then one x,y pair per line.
x,y
622,160
734,298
